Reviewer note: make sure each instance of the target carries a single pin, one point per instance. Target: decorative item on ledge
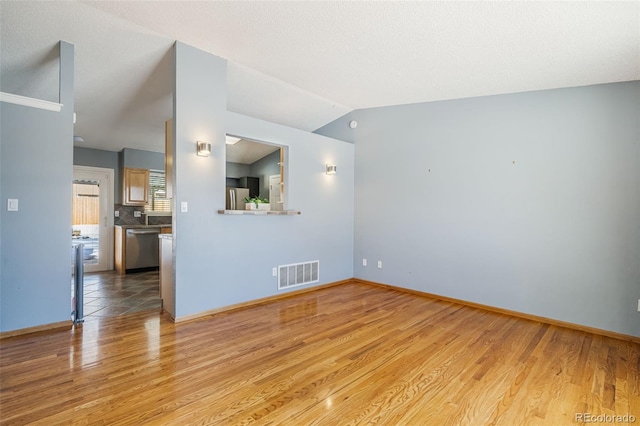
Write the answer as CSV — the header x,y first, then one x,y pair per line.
x,y
260,212
257,203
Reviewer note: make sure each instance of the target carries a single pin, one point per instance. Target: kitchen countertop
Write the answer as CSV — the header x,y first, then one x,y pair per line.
x,y
260,212
142,226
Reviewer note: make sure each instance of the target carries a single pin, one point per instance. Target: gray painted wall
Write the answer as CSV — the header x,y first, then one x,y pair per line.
x,y
199,109
101,158
36,158
261,169
528,201
222,259
95,158
128,157
265,167
339,128
140,159
235,170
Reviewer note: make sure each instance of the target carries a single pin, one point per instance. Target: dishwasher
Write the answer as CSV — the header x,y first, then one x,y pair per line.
x,y
141,248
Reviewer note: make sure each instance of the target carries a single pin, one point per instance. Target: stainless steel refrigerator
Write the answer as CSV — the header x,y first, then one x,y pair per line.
x,y
235,198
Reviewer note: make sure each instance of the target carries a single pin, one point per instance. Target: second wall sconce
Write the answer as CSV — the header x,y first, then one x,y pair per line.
x,y
204,149
331,169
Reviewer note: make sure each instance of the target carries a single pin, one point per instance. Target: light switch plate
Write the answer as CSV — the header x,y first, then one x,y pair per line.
x,y
184,207
12,205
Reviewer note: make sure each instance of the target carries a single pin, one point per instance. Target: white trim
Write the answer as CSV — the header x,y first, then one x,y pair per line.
x,y
30,102
106,174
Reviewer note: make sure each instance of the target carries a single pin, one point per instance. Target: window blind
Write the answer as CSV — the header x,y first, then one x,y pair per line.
x,y
158,201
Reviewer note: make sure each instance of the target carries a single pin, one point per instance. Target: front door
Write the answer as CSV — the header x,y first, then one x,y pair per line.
x,y
92,222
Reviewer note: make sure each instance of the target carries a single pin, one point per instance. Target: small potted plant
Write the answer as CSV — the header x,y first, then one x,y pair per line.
x,y
257,203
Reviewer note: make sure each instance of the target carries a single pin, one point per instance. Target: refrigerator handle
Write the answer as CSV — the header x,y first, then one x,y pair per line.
x,y
233,199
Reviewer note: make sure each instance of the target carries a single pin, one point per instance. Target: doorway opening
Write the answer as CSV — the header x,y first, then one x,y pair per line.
x,y
92,217
106,293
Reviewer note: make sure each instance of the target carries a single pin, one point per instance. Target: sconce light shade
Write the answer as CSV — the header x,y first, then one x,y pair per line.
x,y
204,149
331,169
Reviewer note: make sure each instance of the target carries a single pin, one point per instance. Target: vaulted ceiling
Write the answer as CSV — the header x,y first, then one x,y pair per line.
x,y
304,64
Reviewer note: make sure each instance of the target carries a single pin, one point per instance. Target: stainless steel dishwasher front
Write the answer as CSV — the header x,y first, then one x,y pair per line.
x,y
142,248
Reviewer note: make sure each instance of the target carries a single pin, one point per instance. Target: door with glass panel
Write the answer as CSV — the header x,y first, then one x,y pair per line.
x,y
92,222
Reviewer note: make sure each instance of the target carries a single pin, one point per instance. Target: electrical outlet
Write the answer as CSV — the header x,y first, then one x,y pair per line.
x,y
116,213
274,272
379,264
364,262
137,214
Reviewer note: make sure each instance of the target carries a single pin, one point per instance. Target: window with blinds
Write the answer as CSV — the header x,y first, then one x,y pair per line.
x,y
158,201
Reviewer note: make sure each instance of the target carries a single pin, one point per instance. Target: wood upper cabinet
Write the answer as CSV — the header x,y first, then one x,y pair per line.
x,y
135,191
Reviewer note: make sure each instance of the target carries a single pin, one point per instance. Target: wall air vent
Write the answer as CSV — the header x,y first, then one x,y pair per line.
x,y
297,274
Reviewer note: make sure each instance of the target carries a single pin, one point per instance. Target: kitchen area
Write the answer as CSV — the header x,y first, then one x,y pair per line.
x,y
143,233
141,219
141,272
143,214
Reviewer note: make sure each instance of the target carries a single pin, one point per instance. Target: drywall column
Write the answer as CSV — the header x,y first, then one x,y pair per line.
x,y
36,160
222,260
200,104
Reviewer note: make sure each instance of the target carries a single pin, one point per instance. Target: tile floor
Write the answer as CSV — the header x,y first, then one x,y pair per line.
x,y
108,294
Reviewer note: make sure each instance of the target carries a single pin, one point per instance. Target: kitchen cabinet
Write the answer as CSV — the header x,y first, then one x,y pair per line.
x,y
135,190
120,247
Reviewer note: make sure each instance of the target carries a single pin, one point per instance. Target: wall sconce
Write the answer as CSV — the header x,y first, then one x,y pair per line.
x,y
331,169
204,149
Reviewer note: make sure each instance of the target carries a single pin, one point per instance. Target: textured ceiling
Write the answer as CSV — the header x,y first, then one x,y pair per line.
x,y
303,64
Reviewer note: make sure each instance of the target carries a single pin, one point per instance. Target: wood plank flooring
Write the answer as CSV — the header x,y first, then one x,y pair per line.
x,y
346,355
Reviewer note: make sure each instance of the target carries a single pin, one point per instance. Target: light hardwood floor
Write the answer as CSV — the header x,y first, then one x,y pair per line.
x,y
345,355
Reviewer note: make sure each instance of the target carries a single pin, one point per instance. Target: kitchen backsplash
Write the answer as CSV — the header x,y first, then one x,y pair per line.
x,y
126,216
159,220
